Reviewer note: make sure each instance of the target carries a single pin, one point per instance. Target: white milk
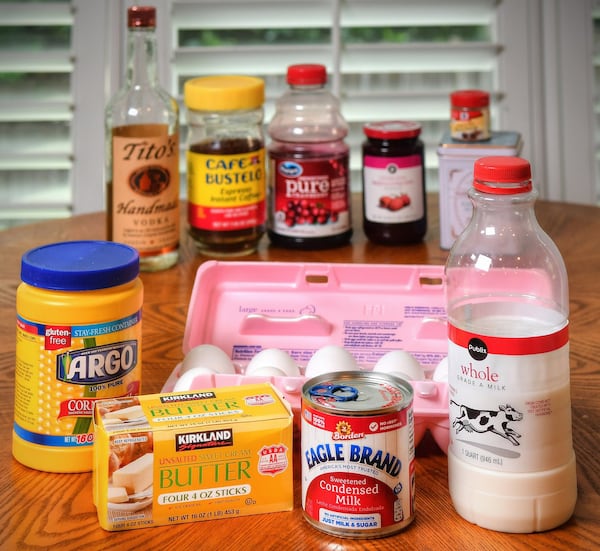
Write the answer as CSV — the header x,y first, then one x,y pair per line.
x,y
511,464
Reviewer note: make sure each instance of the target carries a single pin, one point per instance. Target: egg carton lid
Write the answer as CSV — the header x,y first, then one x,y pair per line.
x,y
369,309
244,307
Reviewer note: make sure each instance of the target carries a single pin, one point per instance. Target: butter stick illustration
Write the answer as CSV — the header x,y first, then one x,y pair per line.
x,y
136,476
125,414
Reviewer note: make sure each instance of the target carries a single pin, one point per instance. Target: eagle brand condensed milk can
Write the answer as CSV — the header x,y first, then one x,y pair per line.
x,y
79,337
358,456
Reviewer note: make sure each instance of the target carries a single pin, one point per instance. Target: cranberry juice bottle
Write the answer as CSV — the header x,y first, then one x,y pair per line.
x,y
309,205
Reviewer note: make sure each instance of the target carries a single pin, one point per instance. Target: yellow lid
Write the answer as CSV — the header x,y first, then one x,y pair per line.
x,y
224,93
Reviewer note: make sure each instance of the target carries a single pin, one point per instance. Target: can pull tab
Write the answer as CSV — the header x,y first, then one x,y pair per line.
x,y
339,393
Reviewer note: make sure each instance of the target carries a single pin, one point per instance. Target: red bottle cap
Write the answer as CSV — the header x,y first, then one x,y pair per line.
x,y
309,73
502,175
392,130
141,16
470,98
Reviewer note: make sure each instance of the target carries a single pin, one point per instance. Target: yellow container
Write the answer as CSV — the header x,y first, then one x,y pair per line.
x,y
189,456
79,339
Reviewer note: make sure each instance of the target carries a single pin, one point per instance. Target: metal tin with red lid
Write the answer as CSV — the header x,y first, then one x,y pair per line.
x,y
470,115
358,457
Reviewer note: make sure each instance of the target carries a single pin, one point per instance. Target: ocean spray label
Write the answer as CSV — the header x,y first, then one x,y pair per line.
x,y
311,197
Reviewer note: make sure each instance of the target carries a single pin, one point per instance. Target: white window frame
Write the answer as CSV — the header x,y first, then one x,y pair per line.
x,y
547,67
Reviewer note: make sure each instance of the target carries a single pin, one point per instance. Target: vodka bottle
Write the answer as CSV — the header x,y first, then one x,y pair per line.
x,y
142,153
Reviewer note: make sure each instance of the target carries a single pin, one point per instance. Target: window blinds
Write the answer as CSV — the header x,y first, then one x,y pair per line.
x,y
35,111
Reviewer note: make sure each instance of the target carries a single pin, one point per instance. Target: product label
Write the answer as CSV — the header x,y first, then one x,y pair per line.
x,y
510,405
469,125
186,457
358,472
226,192
62,370
393,189
145,188
311,197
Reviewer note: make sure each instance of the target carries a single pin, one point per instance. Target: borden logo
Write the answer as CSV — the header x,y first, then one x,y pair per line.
x,y
343,431
203,439
477,349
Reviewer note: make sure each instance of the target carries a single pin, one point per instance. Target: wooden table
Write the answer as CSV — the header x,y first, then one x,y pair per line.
x,y
46,511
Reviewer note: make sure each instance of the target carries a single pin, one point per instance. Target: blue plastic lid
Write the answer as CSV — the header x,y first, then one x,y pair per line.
x,y
80,265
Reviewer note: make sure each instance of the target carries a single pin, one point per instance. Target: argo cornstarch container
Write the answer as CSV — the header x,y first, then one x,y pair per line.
x,y
79,339
358,454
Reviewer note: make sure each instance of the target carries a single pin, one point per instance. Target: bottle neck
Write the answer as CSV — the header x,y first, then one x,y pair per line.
x,y
506,207
304,88
141,57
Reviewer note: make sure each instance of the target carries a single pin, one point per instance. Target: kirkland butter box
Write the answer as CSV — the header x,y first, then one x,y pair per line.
x,y
191,456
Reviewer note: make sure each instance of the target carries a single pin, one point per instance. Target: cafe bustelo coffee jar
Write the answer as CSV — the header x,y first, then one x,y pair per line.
x,y
225,164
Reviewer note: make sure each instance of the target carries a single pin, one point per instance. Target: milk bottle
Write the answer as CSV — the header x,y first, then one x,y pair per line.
x,y
511,464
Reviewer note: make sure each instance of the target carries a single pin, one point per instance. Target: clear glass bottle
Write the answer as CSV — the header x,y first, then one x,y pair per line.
x,y
142,153
511,464
309,179
226,164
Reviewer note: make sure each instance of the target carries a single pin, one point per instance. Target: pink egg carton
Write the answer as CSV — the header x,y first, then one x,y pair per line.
x,y
369,309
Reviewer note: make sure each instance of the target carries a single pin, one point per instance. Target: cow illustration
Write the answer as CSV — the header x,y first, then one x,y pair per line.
x,y
484,420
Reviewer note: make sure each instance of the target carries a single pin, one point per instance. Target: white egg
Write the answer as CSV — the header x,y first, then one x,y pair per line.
x,y
329,359
273,357
401,364
440,373
208,356
267,371
187,381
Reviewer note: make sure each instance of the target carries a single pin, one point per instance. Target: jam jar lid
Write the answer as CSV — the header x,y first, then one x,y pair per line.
x,y
392,130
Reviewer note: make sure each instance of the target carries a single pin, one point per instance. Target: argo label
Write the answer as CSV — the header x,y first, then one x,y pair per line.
x,y
311,197
358,469
62,370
